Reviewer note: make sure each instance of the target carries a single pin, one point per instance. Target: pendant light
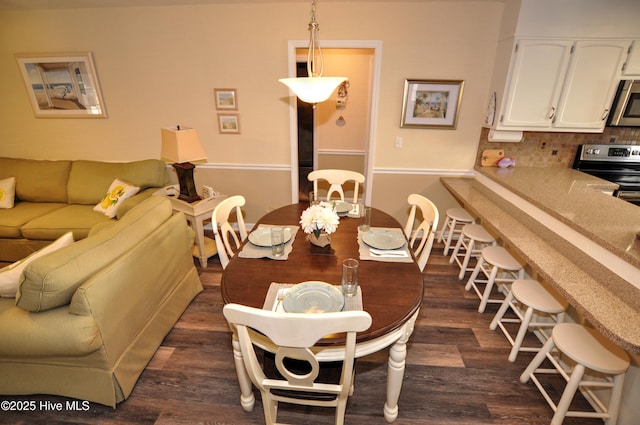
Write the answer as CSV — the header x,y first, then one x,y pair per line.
x,y
314,88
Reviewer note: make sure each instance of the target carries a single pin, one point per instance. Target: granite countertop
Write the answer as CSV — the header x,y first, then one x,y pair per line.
x,y
576,199
605,299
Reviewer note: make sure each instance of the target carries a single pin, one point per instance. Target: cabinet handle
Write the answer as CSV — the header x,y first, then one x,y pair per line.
x,y
553,112
605,115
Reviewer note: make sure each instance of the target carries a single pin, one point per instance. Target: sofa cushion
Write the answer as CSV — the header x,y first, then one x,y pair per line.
x,y
7,192
89,180
37,180
12,220
30,337
10,275
51,281
118,192
78,219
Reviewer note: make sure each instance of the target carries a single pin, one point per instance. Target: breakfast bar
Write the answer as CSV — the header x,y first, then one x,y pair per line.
x,y
570,234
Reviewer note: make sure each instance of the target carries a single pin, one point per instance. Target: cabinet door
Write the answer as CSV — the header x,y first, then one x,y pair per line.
x,y
590,84
534,84
632,66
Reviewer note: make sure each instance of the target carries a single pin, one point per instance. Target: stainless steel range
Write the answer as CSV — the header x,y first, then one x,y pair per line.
x,y
618,164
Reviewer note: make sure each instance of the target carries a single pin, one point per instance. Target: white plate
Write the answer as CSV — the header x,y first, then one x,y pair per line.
x,y
313,297
343,207
262,236
383,239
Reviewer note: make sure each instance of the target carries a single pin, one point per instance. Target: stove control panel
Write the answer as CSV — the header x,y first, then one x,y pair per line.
x,y
616,153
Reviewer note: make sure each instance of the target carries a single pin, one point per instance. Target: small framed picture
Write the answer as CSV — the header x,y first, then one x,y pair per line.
x,y
226,99
62,85
431,103
229,123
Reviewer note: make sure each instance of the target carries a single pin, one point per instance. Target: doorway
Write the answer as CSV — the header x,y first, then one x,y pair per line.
x,y
306,122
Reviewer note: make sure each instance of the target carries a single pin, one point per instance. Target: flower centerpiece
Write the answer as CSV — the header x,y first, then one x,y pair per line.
x,y
319,221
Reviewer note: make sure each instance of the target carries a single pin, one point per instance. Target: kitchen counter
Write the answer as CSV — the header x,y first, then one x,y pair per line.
x,y
541,214
577,200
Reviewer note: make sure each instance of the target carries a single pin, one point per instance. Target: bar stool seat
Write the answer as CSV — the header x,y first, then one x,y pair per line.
x,y
526,298
589,350
494,260
455,218
470,235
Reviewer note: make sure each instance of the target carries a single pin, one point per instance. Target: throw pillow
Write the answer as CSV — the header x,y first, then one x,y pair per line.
x,y
118,192
10,275
7,192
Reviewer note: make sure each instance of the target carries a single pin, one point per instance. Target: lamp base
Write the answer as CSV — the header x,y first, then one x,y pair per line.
x,y
188,191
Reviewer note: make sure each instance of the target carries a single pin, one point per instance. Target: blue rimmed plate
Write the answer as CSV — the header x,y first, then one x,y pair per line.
x,y
383,239
313,297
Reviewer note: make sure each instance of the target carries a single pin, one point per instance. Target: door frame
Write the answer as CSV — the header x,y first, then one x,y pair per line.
x,y
376,46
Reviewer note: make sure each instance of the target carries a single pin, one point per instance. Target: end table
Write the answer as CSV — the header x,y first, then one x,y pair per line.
x,y
196,213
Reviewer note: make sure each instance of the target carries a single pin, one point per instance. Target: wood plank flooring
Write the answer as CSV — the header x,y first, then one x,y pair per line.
x,y
457,372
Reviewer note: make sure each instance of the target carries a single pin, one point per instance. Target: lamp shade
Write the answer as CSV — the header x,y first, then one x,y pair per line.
x,y
181,145
313,89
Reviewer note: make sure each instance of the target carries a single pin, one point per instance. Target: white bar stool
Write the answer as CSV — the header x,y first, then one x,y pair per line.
x,y
494,260
469,236
456,218
529,297
589,350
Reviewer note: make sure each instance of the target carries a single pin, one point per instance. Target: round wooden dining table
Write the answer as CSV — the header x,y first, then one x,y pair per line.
x,y
391,292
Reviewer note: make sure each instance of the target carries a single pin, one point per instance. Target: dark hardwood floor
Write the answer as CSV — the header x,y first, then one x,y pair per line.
x,y
457,372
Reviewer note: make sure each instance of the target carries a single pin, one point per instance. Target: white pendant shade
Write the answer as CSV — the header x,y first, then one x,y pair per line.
x,y
313,89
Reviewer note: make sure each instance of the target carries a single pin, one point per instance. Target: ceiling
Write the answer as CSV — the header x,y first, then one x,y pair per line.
x,y
78,4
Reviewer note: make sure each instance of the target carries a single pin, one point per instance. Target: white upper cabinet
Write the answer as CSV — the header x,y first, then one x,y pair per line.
x,y
561,84
632,65
534,83
590,85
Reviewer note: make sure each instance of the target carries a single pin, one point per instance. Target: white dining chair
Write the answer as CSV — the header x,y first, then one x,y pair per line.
x,y
336,180
293,336
223,232
421,237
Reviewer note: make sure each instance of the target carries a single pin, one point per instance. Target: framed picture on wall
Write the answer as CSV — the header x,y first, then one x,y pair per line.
x,y
226,99
431,103
229,123
62,85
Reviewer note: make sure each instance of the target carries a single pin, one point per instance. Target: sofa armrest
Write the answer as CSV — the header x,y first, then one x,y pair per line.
x,y
125,296
135,200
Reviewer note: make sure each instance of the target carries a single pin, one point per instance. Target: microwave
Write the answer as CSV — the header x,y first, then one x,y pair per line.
x,y
625,111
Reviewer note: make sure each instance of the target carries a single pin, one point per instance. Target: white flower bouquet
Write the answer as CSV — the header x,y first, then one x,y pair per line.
x,y
318,218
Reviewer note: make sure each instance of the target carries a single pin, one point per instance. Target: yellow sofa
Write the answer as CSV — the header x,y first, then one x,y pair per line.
x,y
88,317
55,197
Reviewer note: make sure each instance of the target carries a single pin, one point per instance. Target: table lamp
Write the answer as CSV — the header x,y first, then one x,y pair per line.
x,y
181,145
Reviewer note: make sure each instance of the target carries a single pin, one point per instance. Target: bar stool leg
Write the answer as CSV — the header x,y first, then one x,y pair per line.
x,y
567,394
474,274
501,311
615,399
524,327
487,289
455,251
450,233
537,361
467,257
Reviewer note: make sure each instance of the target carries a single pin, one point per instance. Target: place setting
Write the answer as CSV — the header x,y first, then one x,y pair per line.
x,y
383,244
269,241
317,296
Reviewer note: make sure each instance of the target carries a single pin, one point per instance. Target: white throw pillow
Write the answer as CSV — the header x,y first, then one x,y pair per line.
x,y
117,193
10,275
7,192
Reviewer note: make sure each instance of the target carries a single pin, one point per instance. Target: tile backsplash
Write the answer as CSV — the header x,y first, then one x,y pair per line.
x,y
545,149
